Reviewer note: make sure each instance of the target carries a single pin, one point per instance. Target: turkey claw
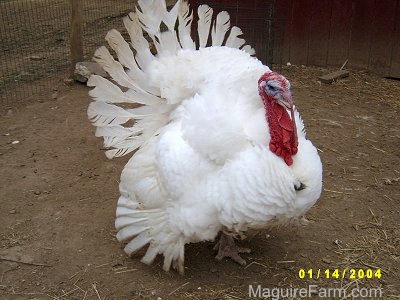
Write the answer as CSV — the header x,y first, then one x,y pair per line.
x,y
227,248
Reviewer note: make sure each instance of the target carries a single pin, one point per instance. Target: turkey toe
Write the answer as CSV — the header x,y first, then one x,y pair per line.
x,y
227,248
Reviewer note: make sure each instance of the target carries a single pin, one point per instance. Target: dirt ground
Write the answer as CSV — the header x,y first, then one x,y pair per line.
x,y
58,196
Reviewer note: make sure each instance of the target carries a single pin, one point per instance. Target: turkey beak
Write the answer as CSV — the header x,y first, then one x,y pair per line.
x,y
286,100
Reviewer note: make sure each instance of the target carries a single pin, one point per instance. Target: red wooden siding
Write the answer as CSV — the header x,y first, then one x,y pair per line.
x,y
395,55
363,15
329,32
282,41
339,38
381,36
320,24
323,32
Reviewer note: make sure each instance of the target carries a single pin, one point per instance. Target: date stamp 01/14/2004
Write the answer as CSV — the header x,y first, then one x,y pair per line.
x,y
339,274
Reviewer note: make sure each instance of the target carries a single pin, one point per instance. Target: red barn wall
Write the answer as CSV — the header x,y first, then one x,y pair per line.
x,y
329,32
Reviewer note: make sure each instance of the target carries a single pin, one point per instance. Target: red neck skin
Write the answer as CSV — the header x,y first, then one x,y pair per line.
x,y
282,128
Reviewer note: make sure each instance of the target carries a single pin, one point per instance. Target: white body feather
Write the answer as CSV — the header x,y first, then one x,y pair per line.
x,y
203,163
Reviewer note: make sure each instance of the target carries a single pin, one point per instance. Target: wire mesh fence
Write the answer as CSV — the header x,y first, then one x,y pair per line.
x,y
34,37
99,17
34,48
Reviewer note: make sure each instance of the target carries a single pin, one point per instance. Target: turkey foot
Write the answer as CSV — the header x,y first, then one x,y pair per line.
x,y
227,248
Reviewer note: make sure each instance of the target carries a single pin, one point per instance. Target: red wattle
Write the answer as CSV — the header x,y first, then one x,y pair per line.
x,y
282,127
282,130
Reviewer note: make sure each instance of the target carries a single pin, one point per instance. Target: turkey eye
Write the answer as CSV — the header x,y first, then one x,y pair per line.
x,y
271,88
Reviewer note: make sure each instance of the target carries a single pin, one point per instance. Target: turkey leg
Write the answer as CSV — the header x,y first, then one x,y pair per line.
x,y
227,248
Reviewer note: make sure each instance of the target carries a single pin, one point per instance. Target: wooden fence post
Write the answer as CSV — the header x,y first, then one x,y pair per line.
x,y
76,39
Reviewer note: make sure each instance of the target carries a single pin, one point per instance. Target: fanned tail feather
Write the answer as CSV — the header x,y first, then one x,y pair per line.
x,y
151,14
203,25
184,27
104,114
124,53
167,43
233,40
249,49
170,17
113,135
143,54
221,26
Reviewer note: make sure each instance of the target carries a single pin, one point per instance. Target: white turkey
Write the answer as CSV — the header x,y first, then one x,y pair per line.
x,y
220,146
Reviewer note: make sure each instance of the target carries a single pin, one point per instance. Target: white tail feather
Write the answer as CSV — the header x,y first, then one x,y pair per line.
x,y
139,43
150,255
233,40
221,26
203,25
249,49
114,135
104,114
185,23
130,231
124,147
124,221
106,91
124,53
151,14
127,203
113,67
168,43
171,16
137,243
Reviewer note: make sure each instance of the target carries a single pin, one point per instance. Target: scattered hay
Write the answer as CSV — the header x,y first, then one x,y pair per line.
x,y
374,248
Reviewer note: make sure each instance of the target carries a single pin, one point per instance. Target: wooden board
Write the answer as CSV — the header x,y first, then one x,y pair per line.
x,y
331,77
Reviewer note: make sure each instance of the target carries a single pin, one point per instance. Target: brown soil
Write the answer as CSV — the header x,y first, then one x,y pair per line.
x,y
58,197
